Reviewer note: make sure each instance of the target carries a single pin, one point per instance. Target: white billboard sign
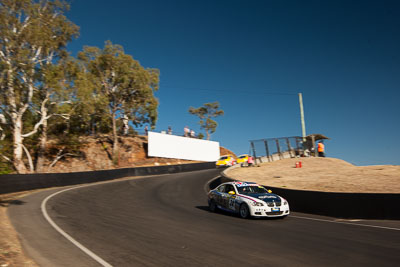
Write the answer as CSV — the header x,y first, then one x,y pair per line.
x,y
178,147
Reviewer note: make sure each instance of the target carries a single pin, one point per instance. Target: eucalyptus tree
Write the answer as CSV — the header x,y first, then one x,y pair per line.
x,y
56,84
122,83
206,113
33,36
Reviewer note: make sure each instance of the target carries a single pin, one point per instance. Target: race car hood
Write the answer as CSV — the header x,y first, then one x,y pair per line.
x,y
267,197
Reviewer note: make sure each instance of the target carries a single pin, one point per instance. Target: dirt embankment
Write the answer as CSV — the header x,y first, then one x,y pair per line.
x,y
95,154
323,174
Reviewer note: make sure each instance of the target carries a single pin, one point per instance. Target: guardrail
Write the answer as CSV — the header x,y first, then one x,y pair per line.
x,y
10,183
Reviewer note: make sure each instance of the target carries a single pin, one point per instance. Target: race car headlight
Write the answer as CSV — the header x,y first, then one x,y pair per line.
x,y
257,204
284,201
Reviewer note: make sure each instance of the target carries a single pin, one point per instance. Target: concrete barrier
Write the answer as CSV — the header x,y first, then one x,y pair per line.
x,y
22,182
339,205
342,205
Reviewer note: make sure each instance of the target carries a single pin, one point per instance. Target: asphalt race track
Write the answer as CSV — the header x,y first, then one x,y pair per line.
x,y
164,221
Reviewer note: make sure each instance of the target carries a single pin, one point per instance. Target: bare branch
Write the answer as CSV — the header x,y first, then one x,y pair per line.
x,y
11,92
61,102
2,56
49,58
28,101
25,24
64,116
37,54
60,156
42,119
2,121
6,158
28,155
3,135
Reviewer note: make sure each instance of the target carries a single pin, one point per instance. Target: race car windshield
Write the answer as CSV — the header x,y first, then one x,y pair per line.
x,y
223,158
245,190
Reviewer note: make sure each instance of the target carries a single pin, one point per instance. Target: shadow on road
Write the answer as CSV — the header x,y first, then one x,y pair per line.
x,y
6,203
226,213
205,208
219,212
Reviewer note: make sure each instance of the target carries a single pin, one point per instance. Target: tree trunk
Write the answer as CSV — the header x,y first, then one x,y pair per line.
x,y
126,125
19,164
42,148
115,151
208,135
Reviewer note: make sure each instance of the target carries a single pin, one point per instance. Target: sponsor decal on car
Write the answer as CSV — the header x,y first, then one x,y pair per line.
x,y
240,184
262,197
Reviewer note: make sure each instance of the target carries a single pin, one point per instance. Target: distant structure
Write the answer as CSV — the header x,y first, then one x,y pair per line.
x,y
271,149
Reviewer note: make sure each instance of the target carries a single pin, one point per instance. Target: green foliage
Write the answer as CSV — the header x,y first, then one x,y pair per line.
x,y
46,94
205,113
33,68
123,87
6,167
70,144
121,83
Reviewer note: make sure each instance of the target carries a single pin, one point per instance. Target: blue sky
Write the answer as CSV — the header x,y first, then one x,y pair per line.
x,y
254,56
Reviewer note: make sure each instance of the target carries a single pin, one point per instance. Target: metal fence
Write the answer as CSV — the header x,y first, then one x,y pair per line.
x,y
270,149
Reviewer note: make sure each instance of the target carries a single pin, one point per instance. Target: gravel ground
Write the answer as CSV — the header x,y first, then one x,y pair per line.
x,y
322,174
11,253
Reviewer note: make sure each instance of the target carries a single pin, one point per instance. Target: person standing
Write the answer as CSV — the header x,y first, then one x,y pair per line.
x,y
169,130
250,161
146,130
321,149
186,131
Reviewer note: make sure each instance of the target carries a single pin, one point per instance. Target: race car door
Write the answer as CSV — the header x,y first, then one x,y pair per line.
x,y
220,196
229,199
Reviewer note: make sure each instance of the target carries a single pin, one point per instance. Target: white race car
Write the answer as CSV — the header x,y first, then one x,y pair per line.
x,y
247,199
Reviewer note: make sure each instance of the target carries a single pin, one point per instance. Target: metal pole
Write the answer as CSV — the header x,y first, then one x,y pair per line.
x,y
303,124
314,146
279,148
267,149
290,148
299,153
254,153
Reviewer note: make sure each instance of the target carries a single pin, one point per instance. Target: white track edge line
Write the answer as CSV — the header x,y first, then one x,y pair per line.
x,y
67,236
357,224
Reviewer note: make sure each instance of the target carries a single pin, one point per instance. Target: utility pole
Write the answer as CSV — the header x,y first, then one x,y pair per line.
x,y
303,124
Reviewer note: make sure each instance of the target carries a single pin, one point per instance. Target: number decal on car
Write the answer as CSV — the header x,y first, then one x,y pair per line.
x,y
232,203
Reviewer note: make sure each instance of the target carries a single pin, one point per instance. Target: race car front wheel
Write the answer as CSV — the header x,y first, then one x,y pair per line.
x,y
212,206
244,211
